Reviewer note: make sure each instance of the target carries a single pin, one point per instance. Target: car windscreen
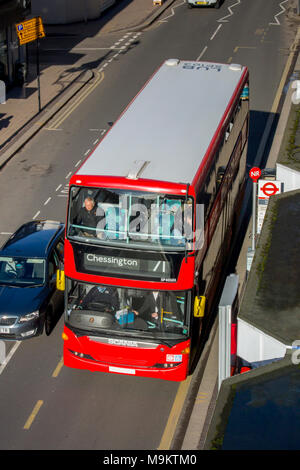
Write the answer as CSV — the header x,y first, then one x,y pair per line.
x,y
21,271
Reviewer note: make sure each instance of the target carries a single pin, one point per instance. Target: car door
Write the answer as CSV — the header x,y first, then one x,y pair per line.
x,y
59,255
55,258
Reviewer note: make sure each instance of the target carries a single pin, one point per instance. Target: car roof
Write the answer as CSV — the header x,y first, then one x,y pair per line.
x,y
33,239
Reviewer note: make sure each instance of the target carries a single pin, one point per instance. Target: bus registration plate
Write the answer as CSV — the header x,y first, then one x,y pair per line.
x,y
174,358
121,370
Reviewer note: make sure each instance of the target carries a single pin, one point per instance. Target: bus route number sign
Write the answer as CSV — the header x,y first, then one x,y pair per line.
x,y
255,174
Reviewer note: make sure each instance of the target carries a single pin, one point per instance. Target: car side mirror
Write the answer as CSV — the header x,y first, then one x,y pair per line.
x,y
60,280
199,306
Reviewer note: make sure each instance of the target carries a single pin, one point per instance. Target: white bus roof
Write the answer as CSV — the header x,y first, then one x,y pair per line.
x,y
169,124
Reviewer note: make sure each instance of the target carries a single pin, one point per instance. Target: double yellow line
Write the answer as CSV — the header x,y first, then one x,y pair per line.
x,y
75,103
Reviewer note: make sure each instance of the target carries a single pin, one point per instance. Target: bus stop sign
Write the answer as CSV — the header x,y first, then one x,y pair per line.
x,y
255,174
268,188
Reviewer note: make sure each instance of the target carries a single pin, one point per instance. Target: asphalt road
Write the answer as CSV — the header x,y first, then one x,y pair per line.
x,y
78,409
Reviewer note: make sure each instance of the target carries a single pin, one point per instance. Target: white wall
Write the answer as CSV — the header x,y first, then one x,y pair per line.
x,y
290,178
255,345
68,11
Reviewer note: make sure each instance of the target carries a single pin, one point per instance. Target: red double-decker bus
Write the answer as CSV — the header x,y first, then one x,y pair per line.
x,y
150,216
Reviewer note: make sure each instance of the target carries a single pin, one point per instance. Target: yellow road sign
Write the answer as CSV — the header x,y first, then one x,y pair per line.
x,y
30,30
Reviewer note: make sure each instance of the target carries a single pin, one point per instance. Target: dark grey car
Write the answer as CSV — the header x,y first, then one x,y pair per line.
x,y
29,300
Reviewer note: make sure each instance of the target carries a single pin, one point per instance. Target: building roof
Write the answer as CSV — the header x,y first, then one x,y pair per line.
x,y
169,124
289,154
258,410
271,302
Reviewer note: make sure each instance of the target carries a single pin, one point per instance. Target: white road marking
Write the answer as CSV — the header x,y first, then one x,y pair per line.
x,y
9,356
202,53
172,12
215,33
224,20
280,13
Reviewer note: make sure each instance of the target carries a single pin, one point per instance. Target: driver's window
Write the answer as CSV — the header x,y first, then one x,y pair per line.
x,y
53,265
59,250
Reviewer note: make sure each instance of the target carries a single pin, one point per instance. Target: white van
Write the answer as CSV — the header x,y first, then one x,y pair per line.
x,y
196,3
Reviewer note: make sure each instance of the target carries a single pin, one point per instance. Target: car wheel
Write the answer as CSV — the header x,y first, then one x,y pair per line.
x,y
48,321
190,5
217,4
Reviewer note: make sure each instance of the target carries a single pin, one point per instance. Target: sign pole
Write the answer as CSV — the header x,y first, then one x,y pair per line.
x,y
28,31
254,174
2,92
254,214
38,73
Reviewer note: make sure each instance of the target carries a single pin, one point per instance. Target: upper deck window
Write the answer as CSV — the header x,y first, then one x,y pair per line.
x,y
130,218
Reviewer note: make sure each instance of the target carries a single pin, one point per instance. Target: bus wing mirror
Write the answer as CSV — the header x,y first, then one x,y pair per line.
x,y
60,280
199,306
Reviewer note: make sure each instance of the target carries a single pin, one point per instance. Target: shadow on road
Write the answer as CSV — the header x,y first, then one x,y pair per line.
x,y
4,121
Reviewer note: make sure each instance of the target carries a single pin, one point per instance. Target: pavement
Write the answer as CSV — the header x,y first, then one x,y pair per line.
x,y
21,117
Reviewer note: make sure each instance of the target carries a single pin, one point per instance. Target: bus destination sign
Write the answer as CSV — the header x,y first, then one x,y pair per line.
x,y
122,265
100,261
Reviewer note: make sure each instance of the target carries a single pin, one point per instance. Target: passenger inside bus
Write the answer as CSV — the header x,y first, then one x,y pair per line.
x,y
87,217
151,306
159,307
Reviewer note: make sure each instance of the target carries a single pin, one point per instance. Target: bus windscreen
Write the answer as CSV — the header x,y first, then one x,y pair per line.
x,y
99,308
